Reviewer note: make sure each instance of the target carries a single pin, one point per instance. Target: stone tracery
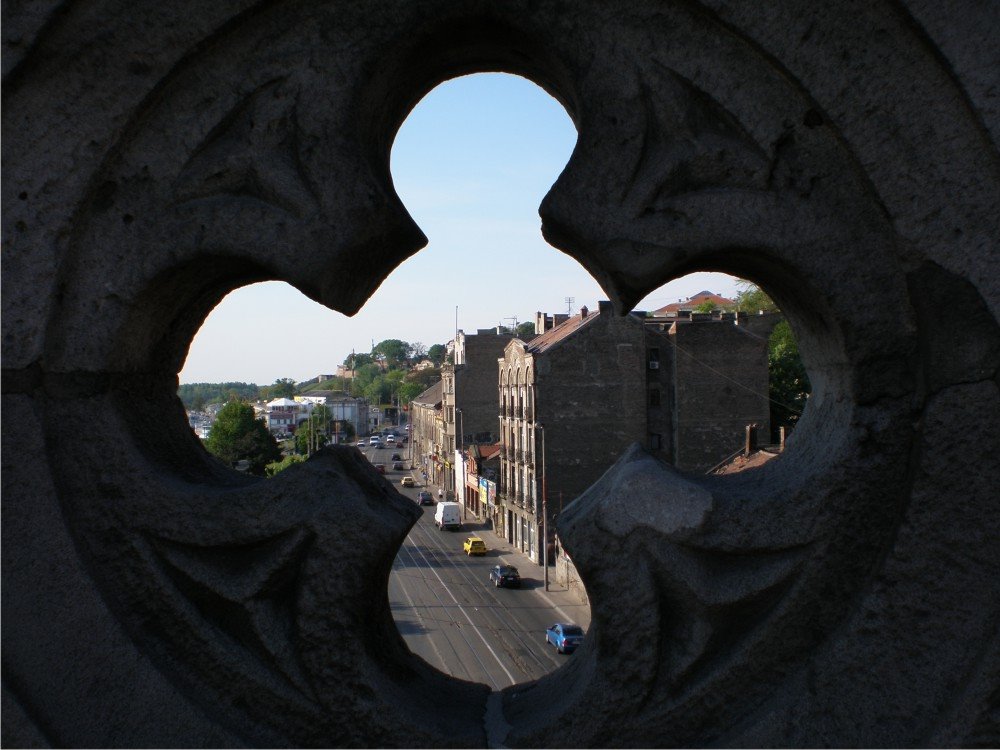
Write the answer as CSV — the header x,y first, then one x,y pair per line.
x,y
706,140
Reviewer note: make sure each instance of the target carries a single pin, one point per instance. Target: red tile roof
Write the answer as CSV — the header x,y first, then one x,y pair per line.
x,y
693,301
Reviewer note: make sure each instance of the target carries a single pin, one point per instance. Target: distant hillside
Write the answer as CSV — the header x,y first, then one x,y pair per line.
x,y
197,395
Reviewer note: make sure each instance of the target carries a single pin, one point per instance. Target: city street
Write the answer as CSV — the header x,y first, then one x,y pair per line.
x,y
454,618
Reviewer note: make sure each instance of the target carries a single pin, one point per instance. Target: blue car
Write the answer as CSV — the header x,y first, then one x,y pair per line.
x,y
564,636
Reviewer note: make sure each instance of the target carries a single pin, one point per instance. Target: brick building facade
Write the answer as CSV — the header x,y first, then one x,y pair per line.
x,y
576,396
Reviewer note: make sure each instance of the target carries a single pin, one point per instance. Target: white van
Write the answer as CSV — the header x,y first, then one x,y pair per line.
x,y
448,516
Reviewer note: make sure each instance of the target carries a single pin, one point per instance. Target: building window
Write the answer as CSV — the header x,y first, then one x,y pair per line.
x,y
654,358
654,397
655,441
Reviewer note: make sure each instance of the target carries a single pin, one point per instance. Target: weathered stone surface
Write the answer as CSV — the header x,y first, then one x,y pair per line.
x,y
157,156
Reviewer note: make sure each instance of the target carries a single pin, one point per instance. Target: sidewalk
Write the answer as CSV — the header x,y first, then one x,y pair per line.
x,y
566,604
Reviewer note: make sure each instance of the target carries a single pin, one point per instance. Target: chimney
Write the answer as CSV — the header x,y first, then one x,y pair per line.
x,y
584,311
604,307
751,440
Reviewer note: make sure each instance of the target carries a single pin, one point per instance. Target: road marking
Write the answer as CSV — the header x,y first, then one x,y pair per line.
x,y
469,619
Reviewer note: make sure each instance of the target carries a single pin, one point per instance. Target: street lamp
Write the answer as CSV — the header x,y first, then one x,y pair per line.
x,y
545,514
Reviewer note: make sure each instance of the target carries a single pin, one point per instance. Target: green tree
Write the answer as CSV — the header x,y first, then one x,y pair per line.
x,y
788,382
393,351
436,353
752,299
282,388
238,435
525,329
278,466
354,361
705,307
313,434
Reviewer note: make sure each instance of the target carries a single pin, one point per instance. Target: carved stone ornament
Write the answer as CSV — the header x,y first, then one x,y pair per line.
x,y
844,155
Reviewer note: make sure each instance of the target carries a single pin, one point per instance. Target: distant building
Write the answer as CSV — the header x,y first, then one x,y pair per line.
x,y
282,416
427,434
588,387
693,302
469,398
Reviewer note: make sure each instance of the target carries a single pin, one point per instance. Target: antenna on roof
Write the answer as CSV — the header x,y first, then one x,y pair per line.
x,y
569,305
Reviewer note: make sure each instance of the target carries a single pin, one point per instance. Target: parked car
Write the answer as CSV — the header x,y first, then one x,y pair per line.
x,y
564,636
474,546
505,576
397,466
380,468
425,498
407,481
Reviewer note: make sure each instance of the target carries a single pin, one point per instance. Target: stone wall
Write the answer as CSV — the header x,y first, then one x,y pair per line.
x,y
591,390
843,155
476,384
720,386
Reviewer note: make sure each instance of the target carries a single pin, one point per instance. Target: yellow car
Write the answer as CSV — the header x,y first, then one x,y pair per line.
x,y
407,481
474,546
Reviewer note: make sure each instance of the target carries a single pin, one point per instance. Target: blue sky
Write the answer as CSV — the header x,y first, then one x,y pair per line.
x,y
471,163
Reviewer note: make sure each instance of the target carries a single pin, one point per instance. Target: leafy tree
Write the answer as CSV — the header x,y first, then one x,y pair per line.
x,y
213,393
424,378
238,435
789,385
418,350
752,299
525,329
363,377
355,361
436,353
283,388
393,351
410,389
705,307
278,466
312,434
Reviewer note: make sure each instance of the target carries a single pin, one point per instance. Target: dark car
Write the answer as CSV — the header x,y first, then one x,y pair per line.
x,y
425,498
505,576
564,636
396,457
380,468
397,465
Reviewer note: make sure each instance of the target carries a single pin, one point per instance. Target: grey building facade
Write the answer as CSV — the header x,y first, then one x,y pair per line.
x,y
574,398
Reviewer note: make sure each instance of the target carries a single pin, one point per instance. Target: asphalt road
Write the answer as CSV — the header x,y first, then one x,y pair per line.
x,y
450,614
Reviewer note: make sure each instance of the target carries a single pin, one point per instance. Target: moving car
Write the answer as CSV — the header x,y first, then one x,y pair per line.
x,y
564,636
397,466
407,481
380,468
448,516
505,576
425,498
474,546
374,440
396,457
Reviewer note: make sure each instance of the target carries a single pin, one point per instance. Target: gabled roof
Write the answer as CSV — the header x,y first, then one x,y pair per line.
x,y
430,397
545,341
283,402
